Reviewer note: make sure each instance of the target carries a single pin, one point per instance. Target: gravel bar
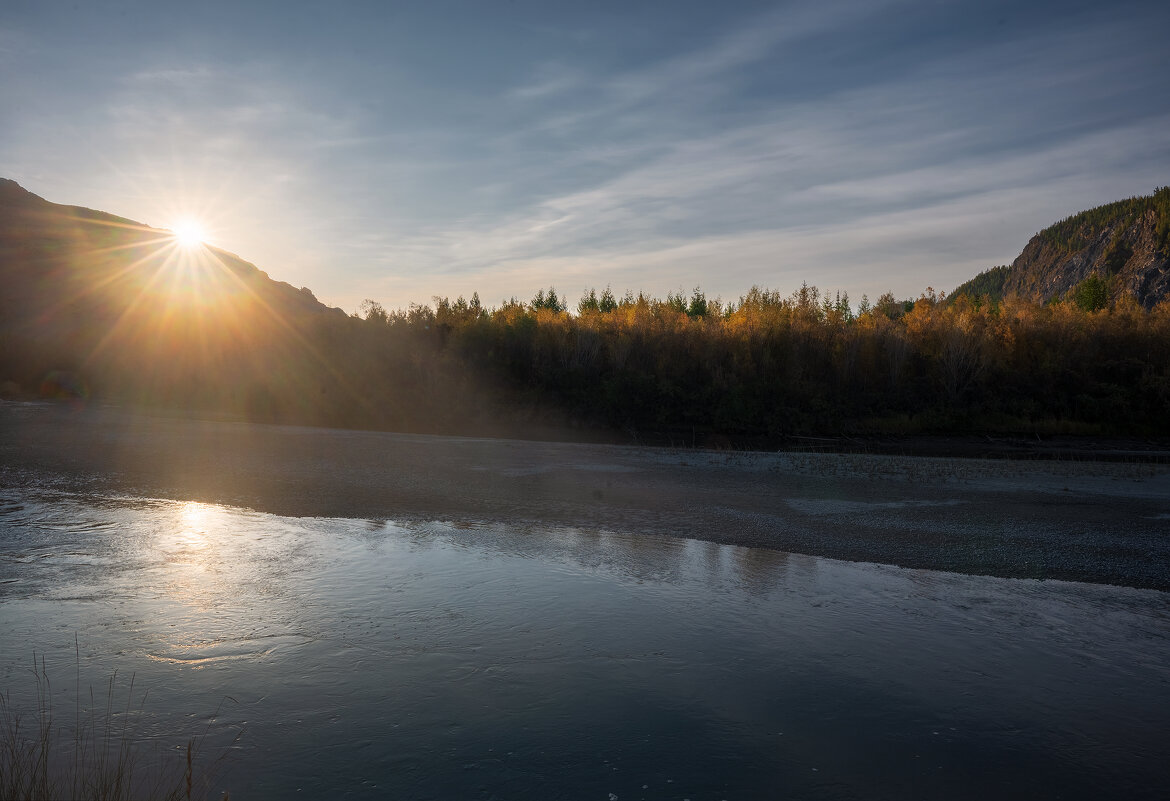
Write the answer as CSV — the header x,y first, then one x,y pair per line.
x,y
1091,521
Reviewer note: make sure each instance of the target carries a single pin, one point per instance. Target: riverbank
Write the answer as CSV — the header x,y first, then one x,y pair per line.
x,y
1062,447
1074,519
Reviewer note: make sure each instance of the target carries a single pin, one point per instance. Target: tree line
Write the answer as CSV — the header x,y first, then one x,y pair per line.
x,y
686,367
772,365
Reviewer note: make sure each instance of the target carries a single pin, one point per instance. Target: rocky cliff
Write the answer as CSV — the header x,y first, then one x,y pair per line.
x,y
1124,247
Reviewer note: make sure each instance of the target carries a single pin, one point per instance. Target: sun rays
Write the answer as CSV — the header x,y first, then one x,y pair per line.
x,y
173,313
161,316
162,282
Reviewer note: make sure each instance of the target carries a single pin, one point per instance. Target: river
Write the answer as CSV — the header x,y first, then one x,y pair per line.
x,y
330,657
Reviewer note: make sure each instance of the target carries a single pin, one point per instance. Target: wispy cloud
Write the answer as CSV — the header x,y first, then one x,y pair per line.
x,y
855,144
550,79
884,184
707,68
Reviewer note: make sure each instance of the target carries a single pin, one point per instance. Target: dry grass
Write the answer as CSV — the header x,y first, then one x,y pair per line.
x,y
99,758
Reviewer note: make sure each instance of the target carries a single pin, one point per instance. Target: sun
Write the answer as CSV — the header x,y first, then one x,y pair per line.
x,y
188,234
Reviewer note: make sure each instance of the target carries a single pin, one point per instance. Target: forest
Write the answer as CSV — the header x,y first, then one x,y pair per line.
x,y
685,369
772,365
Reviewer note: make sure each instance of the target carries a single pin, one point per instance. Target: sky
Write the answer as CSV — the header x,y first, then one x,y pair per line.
x,y
401,150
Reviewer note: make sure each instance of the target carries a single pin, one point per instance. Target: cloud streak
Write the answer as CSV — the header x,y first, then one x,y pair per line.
x,y
856,145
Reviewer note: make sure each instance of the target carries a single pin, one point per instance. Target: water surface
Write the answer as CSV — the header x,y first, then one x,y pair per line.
x,y
455,659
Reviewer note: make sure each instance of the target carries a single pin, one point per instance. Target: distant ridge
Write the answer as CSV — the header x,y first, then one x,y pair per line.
x,y
1121,247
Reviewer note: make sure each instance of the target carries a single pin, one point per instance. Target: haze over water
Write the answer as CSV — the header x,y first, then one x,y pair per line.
x,y
458,659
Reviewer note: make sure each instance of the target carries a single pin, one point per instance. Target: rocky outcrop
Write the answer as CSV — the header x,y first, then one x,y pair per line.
x,y
1123,244
1126,253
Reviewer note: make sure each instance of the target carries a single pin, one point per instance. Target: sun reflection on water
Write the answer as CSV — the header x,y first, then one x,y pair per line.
x,y
196,552
196,521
